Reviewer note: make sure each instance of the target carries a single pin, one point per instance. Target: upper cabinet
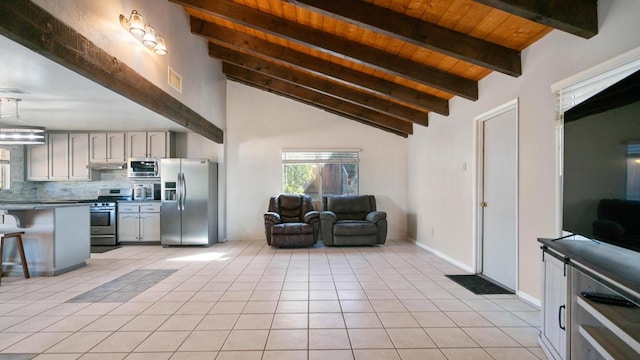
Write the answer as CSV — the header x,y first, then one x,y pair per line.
x,y
107,147
64,157
149,144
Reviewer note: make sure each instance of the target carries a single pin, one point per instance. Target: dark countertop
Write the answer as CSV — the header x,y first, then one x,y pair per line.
x,y
34,205
618,264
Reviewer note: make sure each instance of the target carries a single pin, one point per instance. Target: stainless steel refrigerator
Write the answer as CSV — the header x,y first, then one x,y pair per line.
x,y
189,194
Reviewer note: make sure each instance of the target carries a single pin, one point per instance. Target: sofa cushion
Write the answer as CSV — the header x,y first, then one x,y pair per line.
x,y
292,229
350,207
354,228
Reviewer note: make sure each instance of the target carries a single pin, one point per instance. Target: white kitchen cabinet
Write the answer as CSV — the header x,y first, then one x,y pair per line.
x,y
107,147
139,222
64,157
79,156
554,312
37,162
150,144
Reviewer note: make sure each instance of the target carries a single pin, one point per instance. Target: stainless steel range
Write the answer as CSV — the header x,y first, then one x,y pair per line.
x,y
104,230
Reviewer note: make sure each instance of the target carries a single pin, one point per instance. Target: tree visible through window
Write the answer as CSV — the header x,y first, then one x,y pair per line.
x,y
319,173
5,167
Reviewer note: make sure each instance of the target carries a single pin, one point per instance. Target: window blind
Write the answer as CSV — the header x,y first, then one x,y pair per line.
x,y
326,157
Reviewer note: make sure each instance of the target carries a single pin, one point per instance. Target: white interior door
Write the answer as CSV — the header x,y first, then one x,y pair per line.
x,y
499,191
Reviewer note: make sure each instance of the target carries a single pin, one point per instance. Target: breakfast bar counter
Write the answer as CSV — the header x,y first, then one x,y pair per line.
x,y
56,236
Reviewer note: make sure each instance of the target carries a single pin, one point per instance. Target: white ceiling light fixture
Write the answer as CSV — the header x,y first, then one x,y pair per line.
x,y
144,32
18,135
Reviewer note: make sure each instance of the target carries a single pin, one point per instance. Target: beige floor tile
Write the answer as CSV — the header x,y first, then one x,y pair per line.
x,y
352,294
228,307
285,355
421,354
102,356
349,306
374,285
322,285
30,343
410,294
388,306
369,339
194,355
533,318
326,321
481,304
78,343
108,323
333,339
122,341
491,337
525,336
163,341
514,305
195,308
323,295
295,286
511,353
348,285
265,295
72,323
178,296
384,294
181,322
362,320
130,308
433,319
468,319
503,318
330,355
290,321
207,296
324,306
466,354
239,355
287,339
292,307
537,351
260,307
450,338
397,320
290,295
56,357
413,338
218,322
162,308
376,355
149,356
254,321
204,341
451,305
236,296
145,323
246,340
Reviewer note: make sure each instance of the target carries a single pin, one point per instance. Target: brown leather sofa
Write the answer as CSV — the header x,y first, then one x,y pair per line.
x,y
352,220
291,221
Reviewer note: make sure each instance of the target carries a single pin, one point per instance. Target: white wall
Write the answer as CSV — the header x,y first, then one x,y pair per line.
x,y
443,193
261,125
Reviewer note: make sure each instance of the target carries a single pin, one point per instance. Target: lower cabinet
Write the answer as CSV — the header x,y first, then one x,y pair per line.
x,y
554,336
139,222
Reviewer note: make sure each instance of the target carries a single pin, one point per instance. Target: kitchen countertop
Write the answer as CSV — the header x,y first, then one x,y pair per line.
x,y
132,202
35,205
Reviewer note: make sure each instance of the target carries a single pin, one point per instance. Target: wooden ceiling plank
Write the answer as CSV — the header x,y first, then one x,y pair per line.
x,y
318,39
420,33
318,98
323,85
31,26
230,38
578,17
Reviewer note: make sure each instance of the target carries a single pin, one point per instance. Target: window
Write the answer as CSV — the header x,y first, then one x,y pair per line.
x,y
5,168
633,170
318,173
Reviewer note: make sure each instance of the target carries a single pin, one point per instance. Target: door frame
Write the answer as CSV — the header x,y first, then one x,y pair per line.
x,y
479,183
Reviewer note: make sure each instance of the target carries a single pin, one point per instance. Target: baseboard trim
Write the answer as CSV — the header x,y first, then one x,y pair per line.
x,y
445,257
530,299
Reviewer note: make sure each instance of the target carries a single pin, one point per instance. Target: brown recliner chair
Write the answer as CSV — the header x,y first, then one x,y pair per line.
x,y
352,220
291,221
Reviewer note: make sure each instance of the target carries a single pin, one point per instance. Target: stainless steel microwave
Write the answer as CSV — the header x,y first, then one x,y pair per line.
x,y
143,168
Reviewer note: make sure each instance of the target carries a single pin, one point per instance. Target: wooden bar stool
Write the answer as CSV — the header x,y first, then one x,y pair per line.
x,y
17,235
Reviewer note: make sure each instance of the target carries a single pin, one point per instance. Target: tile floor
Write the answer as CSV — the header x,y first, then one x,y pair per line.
x,y
244,300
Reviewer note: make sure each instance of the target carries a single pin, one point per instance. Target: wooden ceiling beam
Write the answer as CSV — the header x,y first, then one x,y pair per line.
x,y
297,77
578,17
336,45
31,26
314,97
249,44
420,33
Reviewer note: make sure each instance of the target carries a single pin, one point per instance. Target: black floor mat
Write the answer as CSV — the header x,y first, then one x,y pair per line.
x,y
103,249
479,285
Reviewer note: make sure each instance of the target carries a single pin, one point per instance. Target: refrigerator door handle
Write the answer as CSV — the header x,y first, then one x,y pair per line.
x,y
184,191
179,190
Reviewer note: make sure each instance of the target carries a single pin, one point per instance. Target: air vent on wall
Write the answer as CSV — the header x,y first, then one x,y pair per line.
x,y
175,80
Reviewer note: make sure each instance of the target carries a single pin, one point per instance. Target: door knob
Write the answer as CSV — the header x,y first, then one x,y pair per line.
x,y
483,204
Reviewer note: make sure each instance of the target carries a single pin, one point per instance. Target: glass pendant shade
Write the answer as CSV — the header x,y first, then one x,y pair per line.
x,y
149,38
161,47
136,24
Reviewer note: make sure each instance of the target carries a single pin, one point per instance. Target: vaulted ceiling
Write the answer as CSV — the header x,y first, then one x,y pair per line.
x,y
384,63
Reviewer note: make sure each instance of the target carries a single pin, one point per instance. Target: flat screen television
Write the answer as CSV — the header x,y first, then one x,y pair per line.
x,y
601,176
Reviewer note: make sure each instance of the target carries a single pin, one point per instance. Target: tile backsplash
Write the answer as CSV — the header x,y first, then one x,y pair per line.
x,y
59,190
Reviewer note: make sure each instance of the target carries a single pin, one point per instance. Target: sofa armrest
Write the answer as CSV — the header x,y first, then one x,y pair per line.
x,y
376,216
327,220
312,217
273,218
